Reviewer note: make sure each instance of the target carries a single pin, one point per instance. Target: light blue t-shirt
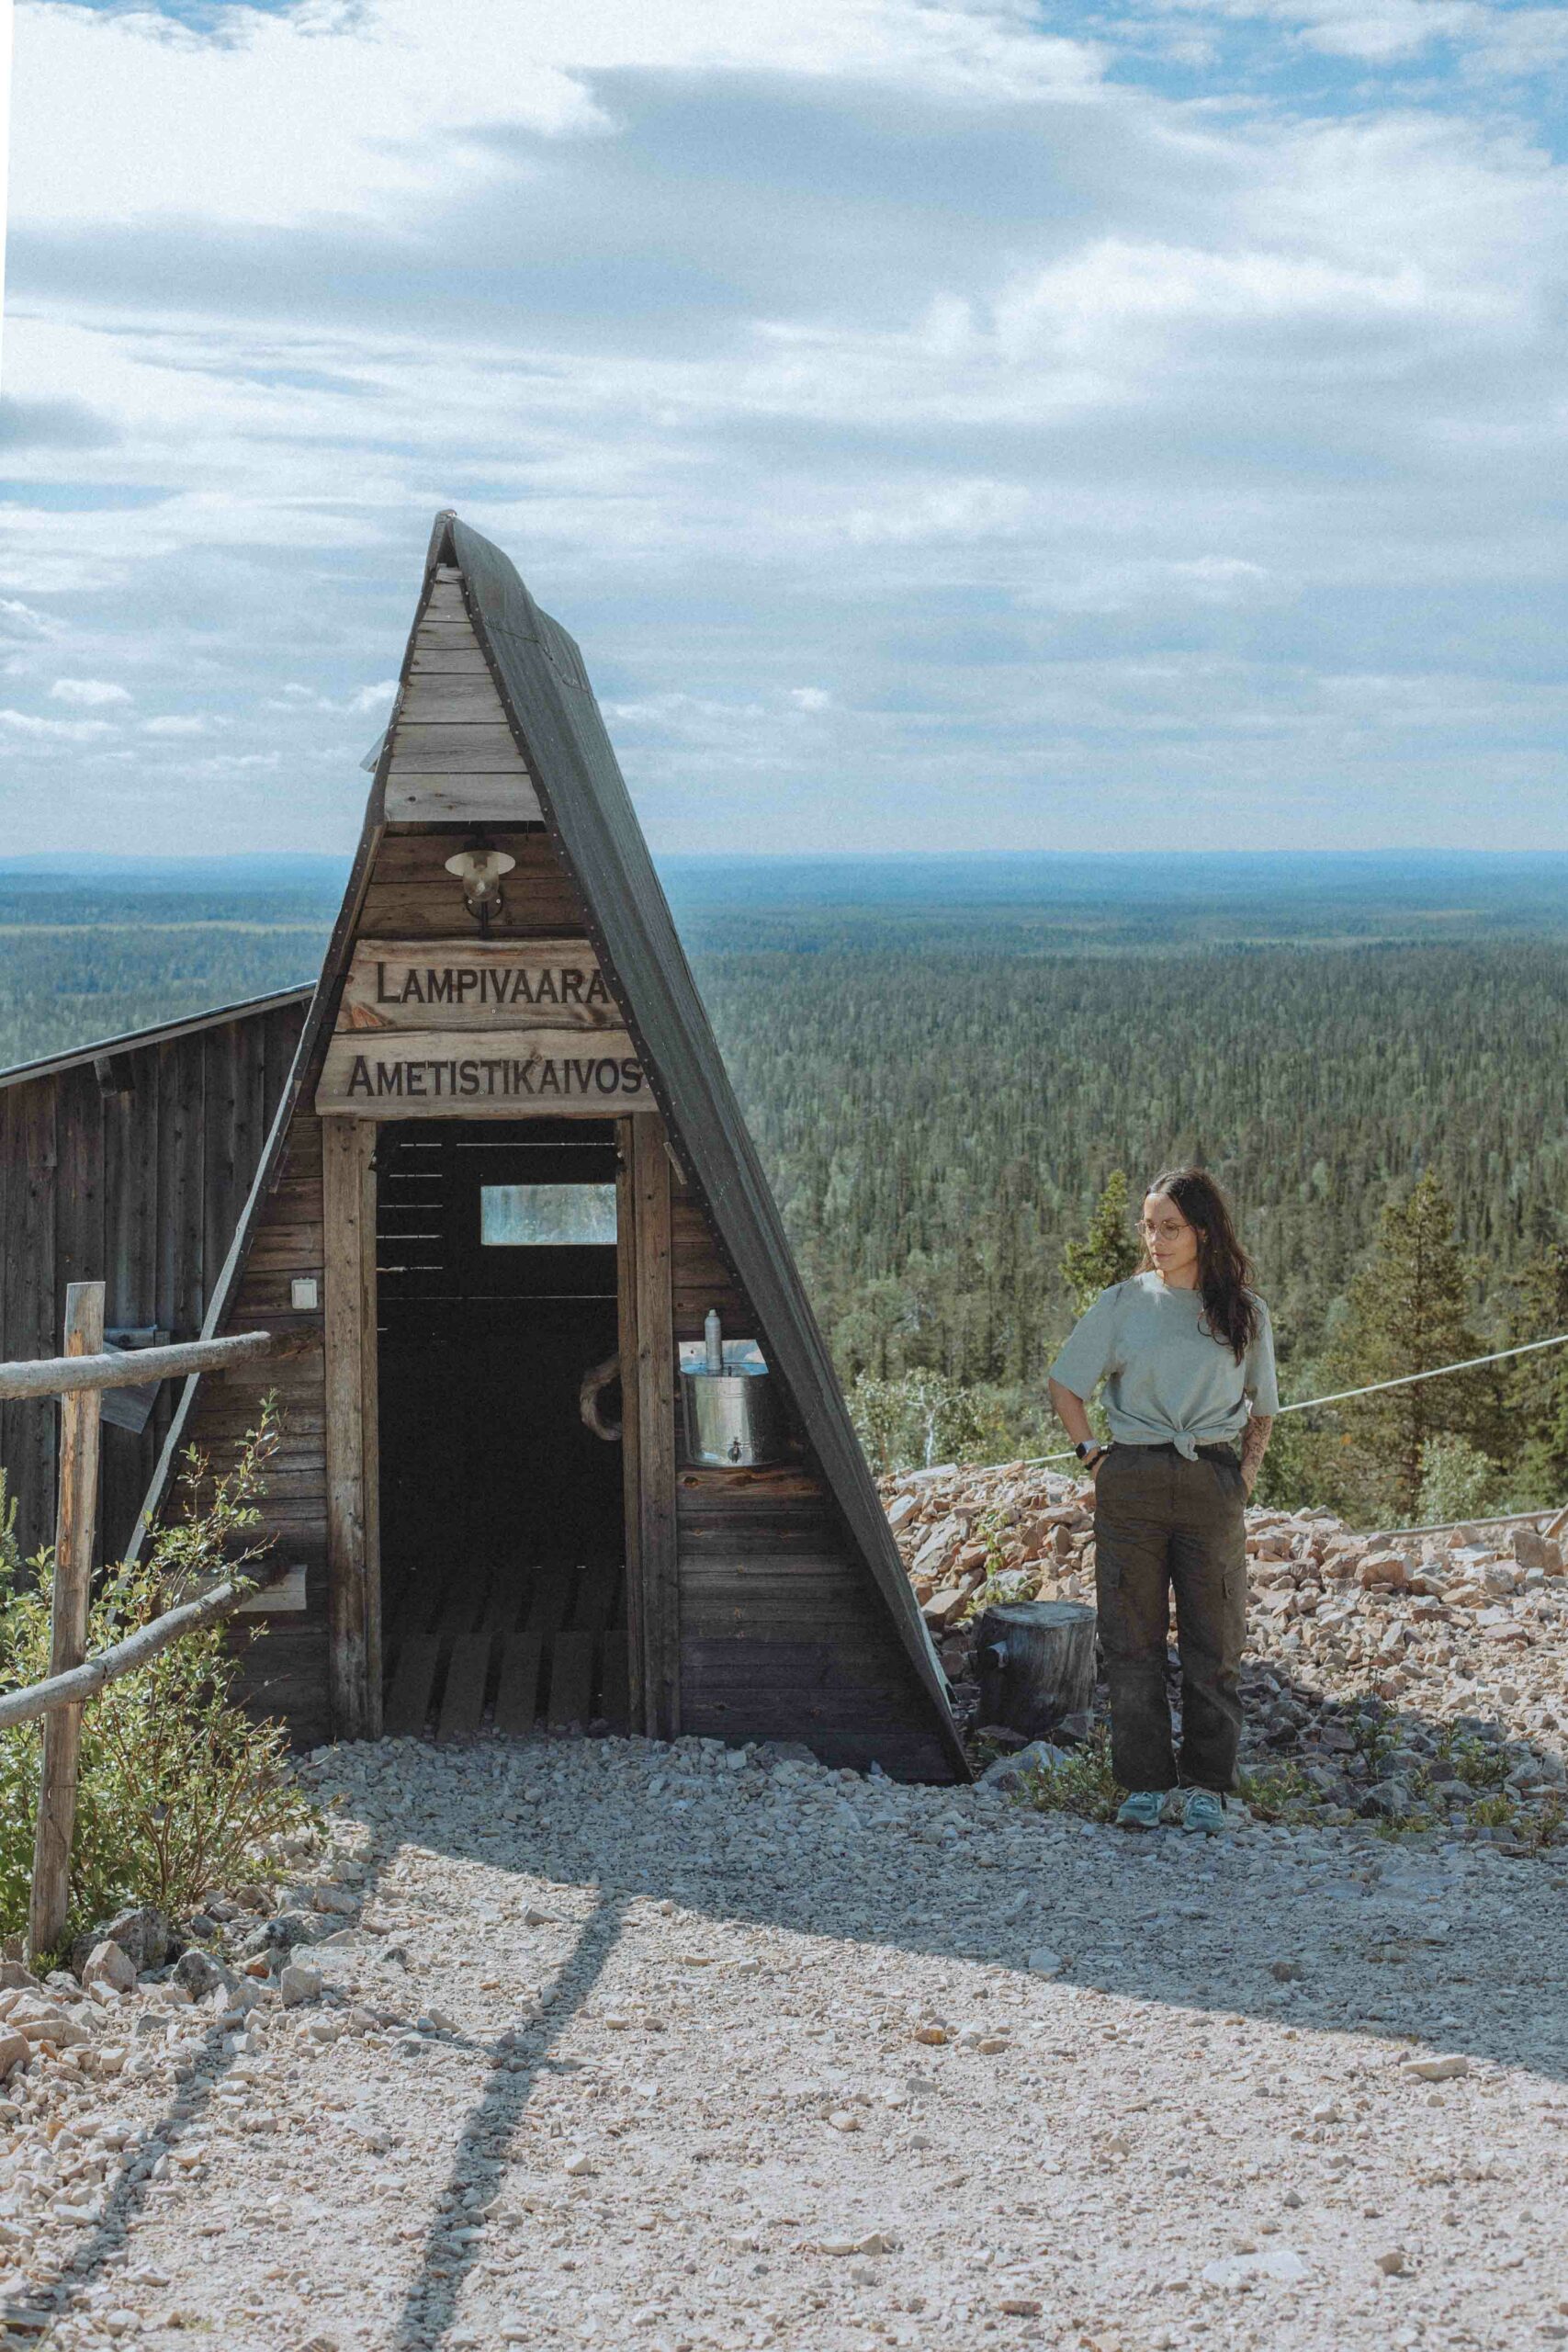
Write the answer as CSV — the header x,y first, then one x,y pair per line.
x,y
1167,1381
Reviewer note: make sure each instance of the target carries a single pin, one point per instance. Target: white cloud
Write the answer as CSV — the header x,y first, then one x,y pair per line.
x,y
89,694
1061,427
233,764
54,730
302,701
313,111
1376,30
21,625
1482,38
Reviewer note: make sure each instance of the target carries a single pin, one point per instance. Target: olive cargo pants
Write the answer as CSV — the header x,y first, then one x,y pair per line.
x,y
1163,1522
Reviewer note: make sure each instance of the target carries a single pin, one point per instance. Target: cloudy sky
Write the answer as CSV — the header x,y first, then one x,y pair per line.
x,y
942,425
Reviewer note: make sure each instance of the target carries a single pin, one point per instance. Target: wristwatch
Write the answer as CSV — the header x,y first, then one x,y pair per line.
x,y
1089,1451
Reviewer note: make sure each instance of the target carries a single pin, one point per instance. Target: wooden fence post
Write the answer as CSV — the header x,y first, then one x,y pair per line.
x,y
353,1570
657,1562
74,1523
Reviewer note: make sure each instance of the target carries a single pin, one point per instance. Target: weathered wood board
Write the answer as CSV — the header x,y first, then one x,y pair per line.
x,y
423,799
476,1028
507,1074
410,896
454,757
474,984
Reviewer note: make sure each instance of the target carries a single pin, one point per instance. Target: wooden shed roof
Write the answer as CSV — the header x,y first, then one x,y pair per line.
x,y
163,1032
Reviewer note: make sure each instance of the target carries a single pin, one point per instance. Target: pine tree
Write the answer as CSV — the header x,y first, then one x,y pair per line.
x,y
1538,1385
1406,1313
1107,1253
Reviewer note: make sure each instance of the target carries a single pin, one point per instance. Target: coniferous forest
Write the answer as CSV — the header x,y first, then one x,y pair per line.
x,y
945,1074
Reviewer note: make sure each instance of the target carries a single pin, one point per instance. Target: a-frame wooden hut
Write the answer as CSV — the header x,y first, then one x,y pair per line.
x,y
508,1151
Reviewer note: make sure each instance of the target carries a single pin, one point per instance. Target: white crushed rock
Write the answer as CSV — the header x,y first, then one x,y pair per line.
x,y
623,2044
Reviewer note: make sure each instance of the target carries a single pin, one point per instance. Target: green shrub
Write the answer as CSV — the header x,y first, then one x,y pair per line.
x,y
922,1417
1278,1792
1462,1757
1457,1481
1083,1783
179,1791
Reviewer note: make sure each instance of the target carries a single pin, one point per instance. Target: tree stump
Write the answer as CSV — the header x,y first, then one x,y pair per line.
x,y
1035,1661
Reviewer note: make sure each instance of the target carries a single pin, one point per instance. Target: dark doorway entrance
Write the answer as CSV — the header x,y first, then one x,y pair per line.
x,y
503,1541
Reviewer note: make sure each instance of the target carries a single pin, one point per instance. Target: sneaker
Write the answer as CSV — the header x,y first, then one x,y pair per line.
x,y
1206,1811
1141,1810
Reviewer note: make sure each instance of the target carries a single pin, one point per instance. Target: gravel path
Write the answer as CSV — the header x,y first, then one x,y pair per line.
x,y
731,2052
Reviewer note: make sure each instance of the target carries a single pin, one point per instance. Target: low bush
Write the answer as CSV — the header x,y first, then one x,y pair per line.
x,y
1083,1783
180,1790
1274,1792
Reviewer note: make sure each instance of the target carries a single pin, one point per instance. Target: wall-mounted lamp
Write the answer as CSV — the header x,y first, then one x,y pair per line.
x,y
480,868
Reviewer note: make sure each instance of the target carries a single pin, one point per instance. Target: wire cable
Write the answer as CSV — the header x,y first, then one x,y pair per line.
x,y
1340,1395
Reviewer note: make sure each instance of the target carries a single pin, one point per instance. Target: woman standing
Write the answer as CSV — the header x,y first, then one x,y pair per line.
x,y
1187,1356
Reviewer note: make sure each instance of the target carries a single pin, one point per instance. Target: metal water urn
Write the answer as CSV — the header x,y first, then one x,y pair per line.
x,y
734,1419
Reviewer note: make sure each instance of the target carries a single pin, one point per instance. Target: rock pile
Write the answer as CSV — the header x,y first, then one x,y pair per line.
x,y
1413,1676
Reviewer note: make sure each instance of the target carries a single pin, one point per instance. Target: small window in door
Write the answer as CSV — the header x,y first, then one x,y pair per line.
x,y
545,1216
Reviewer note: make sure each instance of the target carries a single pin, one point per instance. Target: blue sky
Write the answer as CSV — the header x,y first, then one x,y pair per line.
x,y
943,427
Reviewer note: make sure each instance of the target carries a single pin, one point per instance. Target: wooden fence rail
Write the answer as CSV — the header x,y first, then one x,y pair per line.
x,y
67,1375
85,1682
79,1378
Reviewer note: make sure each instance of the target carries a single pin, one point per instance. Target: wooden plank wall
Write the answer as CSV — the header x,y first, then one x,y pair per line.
x,y
412,896
284,1656
138,1181
783,1634
700,1276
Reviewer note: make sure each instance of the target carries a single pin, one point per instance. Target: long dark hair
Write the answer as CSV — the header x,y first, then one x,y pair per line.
x,y
1224,1270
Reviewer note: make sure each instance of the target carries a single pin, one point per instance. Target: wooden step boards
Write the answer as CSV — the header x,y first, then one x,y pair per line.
x,y
540,1650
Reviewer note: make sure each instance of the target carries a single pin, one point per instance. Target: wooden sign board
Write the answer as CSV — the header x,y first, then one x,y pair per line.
x,y
506,1074
479,1028
476,984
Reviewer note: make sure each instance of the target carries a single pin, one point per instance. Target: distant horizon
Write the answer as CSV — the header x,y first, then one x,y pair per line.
x,y
112,861
98,945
